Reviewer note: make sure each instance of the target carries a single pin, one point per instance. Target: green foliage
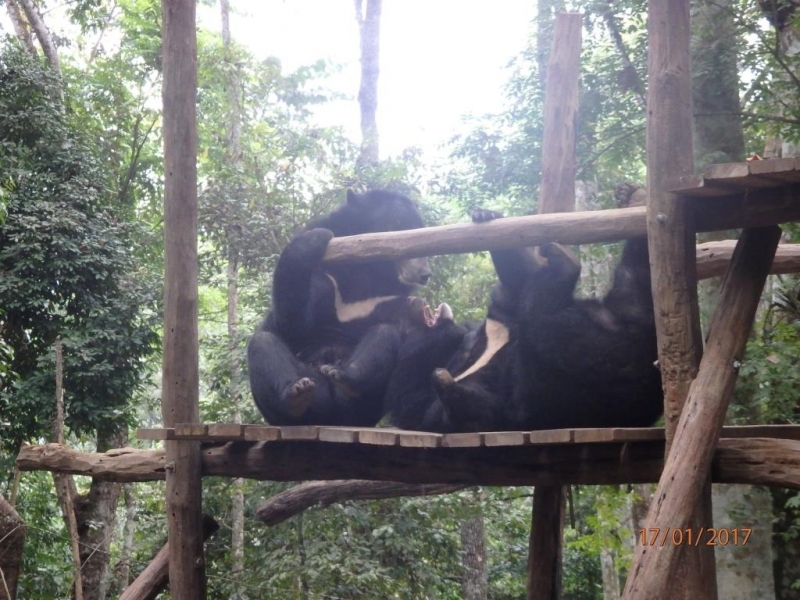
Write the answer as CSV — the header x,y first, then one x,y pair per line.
x,y
66,267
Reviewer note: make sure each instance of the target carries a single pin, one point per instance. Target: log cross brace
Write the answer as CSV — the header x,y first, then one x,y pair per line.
x,y
688,464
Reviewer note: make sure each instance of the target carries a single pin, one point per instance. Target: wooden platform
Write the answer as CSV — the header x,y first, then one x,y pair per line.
x,y
724,179
757,455
230,432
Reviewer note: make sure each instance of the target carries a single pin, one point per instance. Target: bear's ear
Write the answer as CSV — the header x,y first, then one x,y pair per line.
x,y
352,197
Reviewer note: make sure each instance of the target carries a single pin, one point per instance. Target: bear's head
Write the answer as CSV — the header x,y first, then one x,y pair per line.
x,y
377,211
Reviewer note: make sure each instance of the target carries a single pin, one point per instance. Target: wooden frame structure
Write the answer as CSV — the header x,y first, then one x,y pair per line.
x,y
697,387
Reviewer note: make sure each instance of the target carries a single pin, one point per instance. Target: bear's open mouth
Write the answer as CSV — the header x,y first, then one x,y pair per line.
x,y
443,311
423,312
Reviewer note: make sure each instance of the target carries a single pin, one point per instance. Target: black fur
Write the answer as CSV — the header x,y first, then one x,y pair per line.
x,y
310,365
568,362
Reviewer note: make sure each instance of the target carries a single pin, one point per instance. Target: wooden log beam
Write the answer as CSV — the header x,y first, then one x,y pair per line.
x,y
295,500
180,379
681,484
671,227
772,462
753,209
154,579
556,195
713,259
125,465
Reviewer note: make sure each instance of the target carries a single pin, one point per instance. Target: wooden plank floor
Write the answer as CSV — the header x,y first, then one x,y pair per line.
x,y
724,179
230,432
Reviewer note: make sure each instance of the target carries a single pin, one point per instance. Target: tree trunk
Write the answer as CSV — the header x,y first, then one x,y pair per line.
x,y
715,84
474,579
122,571
96,515
64,484
21,27
234,155
42,34
369,28
608,568
785,547
745,571
12,540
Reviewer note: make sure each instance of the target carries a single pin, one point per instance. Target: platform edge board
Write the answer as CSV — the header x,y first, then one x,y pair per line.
x,y
776,169
618,434
378,437
228,431
419,439
299,432
694,185
506,438
462,440
191,431
340,435
155,433
261,433
551,436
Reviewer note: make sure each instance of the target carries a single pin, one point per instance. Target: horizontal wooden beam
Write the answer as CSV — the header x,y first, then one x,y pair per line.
x,y
713,259
754,461
288,503
754,208
567,228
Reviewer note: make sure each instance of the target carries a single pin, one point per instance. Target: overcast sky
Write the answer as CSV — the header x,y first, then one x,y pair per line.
x,y
439,59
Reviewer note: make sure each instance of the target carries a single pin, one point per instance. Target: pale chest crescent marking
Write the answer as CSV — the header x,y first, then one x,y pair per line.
x,y
496,338
351,311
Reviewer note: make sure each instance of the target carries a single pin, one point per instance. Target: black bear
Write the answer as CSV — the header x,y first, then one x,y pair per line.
x,y
559,362
325,352
476,397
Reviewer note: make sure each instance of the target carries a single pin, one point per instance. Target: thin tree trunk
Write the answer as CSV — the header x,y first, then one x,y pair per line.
x,y
301,555
608,568
64,484
21,27
234,155
715,84
369,27
96,515
12,540
473,558
42,33
123,568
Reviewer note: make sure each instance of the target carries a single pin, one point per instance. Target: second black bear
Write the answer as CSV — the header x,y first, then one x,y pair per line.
x,y
325,352
565,362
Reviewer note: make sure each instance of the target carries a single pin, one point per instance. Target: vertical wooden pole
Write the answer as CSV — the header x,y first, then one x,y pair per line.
x,y
180,389
656,566
556,194
672,250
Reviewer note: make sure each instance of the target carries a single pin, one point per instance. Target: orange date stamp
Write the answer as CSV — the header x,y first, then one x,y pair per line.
x,y
689,536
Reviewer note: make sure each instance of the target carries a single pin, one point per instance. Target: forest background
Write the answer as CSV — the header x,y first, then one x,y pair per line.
x,y
81,250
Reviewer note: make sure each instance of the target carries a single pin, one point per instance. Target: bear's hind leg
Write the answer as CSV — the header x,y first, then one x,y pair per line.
x,y
282,385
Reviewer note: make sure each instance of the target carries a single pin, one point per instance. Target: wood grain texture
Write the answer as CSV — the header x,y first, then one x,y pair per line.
x,y
671,241
728,211
680,488
180,387
754,461
295,500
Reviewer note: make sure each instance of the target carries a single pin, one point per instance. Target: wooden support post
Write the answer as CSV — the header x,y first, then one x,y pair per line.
x,y
544,552
180,388
681,486
556,194
671,234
